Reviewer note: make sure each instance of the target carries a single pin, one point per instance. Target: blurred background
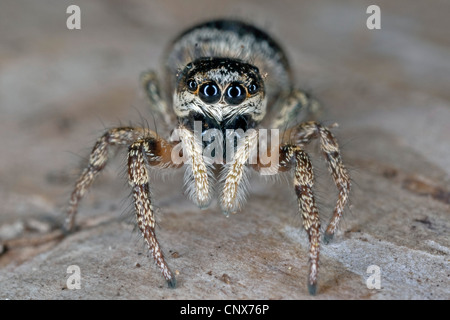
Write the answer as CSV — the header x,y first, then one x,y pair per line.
x,y
388,90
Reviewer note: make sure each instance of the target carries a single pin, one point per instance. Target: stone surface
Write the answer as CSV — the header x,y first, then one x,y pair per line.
x,y
387,89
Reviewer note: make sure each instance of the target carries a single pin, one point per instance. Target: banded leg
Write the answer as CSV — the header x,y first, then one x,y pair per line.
x,y
330,148
140,154
303,183
97,161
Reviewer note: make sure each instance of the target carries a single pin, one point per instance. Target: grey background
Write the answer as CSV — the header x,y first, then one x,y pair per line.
x,y
388,89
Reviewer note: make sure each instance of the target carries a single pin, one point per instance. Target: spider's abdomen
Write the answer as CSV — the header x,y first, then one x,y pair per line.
x,y
234,40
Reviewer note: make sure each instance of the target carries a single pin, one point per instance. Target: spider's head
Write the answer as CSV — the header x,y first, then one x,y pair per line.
x,y
223,93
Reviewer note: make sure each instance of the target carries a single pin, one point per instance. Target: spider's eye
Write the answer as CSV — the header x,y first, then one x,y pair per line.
x,y
209,92
192,85
235,94
253,88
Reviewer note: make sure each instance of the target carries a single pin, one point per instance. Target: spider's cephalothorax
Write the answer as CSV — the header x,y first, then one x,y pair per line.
x,y
226,76
223,93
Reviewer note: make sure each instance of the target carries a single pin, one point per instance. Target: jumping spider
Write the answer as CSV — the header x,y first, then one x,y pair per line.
x,y
226,75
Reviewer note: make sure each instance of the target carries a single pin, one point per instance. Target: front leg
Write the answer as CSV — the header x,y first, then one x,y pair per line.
x,y
146,149
141,153
303,184
97,161
303,135
298,103
293,157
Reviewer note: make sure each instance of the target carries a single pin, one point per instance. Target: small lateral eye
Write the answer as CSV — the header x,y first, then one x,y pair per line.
x,y
235,94
253,88
192,85
209,92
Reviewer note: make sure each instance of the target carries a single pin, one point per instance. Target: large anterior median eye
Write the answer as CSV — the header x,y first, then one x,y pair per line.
x,y
209,92
235,94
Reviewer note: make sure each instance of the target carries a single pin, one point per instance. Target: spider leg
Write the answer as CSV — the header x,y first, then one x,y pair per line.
x,y
303,183
150,82
146,149
140,154
295,105
97,161
292,155
303,134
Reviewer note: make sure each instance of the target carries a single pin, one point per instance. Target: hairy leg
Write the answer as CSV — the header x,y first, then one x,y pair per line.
x,y
303,184
141,153
97,161
146,149
302,135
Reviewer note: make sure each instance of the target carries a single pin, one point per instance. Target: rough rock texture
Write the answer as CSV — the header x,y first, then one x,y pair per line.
x,y
387,89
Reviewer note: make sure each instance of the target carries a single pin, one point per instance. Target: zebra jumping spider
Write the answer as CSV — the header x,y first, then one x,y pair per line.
x,y
224,75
